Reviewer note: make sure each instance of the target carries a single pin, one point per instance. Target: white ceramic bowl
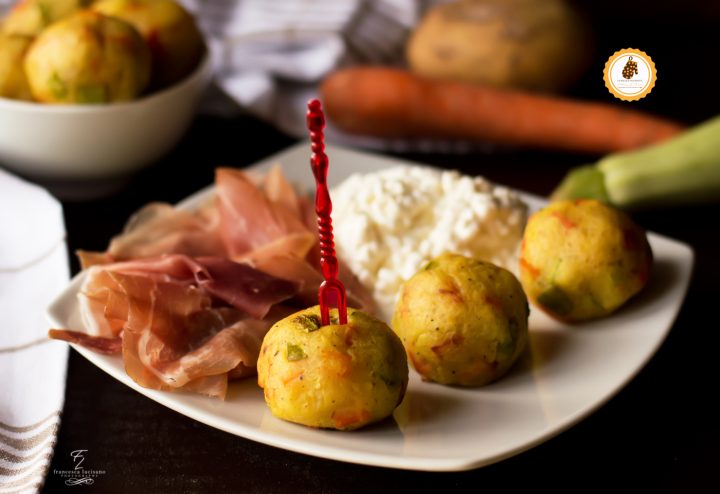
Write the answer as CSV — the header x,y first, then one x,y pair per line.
x,y
91,142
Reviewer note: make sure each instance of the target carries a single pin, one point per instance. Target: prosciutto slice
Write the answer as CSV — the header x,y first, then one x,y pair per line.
x,y
253,219
98,344
180,323
160,228
103,303
279,235
175,340
250,218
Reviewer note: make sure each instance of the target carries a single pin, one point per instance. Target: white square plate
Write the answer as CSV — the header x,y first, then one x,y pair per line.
x,y
567,373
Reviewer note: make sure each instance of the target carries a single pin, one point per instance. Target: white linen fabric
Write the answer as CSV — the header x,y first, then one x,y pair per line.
x,y
33,269
271,55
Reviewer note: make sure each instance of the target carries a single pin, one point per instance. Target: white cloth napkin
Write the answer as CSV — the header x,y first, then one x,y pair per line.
x,y
33,269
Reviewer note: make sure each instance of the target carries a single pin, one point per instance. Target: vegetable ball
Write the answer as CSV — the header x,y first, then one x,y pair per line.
x,y
13,83
88,58
336,376
30,17
583,259
462,321
170,31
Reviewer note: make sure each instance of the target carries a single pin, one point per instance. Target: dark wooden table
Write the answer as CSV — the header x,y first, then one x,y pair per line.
x,y
661,433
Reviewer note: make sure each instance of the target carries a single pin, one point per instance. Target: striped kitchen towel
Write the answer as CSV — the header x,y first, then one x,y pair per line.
x,y
271,55
33,269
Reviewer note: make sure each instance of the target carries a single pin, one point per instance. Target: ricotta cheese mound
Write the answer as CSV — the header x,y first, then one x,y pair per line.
x,y
390,223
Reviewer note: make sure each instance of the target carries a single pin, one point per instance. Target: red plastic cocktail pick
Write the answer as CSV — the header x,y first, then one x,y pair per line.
x,y
332,291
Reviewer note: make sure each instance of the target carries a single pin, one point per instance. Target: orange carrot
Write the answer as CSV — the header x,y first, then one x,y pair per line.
x,y
394,103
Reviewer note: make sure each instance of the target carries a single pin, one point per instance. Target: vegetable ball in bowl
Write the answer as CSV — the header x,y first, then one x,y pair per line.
x,y
582,259
339,376
31,17
88,58
13,82
175,42
462,321
93,118
77,144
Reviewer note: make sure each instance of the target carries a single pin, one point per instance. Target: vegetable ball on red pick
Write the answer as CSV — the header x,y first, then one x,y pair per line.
x,y
338,369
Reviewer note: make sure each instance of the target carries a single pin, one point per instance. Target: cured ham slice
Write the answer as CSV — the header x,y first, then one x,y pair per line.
x,y
309,279
238,285
181,323
297,245
296,269
254,219
186,344
98,344
249,219
158,229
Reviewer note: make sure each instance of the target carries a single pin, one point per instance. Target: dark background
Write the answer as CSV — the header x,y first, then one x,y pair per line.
x,y
659,434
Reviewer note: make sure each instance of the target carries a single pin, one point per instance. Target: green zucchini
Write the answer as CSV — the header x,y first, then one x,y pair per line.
x,y
684,169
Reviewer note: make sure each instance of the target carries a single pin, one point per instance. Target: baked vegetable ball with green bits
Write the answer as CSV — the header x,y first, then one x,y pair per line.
x,y
175,42
462,321
88,58
13,82
335,376
30,17
583,259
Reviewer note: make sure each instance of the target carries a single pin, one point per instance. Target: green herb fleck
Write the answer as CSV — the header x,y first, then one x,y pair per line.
x,y
361,319
556,300
430,265
92,94
45,13
389,382
507,345
57,86
295,353
309,322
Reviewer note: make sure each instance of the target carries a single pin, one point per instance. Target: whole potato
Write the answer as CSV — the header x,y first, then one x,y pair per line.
x,y
175,42
88,58
462,321
13,82
336,376
30,17
527,44
582,259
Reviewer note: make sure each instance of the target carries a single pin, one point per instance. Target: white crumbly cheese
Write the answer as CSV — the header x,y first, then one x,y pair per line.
x,y
390,223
